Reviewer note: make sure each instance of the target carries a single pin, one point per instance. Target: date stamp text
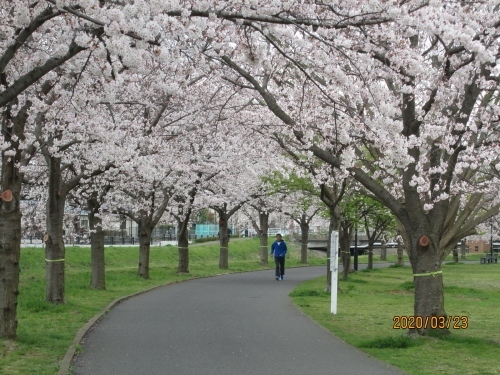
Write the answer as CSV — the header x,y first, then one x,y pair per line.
x,y
433,322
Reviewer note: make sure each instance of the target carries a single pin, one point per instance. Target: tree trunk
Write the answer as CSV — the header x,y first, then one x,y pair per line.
x,y
345,248
455,255
383,251
462,249
54,242
264,244
98,276
304,228
400,252
428,282
12,129
183,245
10,247
421,239
145,245
370,256
224,243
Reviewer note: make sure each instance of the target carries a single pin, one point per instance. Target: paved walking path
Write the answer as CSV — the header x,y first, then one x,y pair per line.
x,y
235,324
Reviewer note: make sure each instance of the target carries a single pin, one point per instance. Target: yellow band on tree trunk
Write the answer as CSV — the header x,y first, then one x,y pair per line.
x,y
428,273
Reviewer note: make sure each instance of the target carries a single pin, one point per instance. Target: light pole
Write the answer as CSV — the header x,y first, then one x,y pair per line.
x,y
356,249
491,240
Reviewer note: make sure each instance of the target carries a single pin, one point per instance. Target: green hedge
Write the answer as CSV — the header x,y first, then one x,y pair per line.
x,y
206,239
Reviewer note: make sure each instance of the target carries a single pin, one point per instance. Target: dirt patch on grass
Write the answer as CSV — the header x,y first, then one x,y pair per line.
x,y
8,346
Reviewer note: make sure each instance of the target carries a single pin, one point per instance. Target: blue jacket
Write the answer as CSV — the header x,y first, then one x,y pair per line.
x,y
278,249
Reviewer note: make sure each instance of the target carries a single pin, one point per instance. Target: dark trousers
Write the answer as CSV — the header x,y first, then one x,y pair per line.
x,y
280,266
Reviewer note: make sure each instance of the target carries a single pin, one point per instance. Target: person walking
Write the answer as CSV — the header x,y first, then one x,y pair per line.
x,y
278,249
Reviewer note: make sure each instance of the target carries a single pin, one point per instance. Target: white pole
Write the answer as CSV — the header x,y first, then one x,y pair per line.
x,y
334,267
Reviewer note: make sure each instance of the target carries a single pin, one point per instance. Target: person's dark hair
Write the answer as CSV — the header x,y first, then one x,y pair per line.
x,y
279,234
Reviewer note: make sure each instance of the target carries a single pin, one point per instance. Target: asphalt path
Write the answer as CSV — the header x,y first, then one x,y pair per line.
x,y
234,324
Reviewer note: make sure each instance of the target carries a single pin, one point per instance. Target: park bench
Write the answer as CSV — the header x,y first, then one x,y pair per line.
x,y
489,258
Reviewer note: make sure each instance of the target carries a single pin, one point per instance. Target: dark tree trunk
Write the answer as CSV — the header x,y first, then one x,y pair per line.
x,y
462,249
145,245
54,242
183,245
261,229
370,256
304,229
146,222
183,236
455,255
264,245
10,247
98,276
224,243
383,251
12,129
224,216
421,238
428,282
400,252
331,197
345,249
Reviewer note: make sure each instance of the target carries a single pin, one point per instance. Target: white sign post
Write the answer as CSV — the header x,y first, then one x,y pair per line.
x,y
334,267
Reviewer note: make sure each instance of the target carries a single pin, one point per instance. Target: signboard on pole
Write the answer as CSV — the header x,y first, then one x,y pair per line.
x,y
334,267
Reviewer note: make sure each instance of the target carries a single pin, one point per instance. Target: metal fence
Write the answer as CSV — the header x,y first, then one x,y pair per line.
x,y
113,239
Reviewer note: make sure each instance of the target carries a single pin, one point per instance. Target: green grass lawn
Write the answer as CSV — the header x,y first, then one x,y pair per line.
x,y
366,307
369,301
45,331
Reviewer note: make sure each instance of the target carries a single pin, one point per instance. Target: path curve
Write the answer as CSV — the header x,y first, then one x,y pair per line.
x,y
238,324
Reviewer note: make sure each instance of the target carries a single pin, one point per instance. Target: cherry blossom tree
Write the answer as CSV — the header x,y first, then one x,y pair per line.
x,y
36,38
303,213
97,256
263,207
400,96
406,105
301,203
237,184
376,221
39,37
226,206
182,209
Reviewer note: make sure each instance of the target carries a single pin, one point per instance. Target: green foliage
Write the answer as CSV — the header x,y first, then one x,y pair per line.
x,y
371,216
206,239
205,215
291,183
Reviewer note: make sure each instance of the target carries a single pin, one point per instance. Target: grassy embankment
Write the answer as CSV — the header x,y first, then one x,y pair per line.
x,y
45,331
369,301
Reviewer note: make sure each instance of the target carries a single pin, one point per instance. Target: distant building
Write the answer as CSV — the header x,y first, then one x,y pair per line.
x,y
206,230
482,246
